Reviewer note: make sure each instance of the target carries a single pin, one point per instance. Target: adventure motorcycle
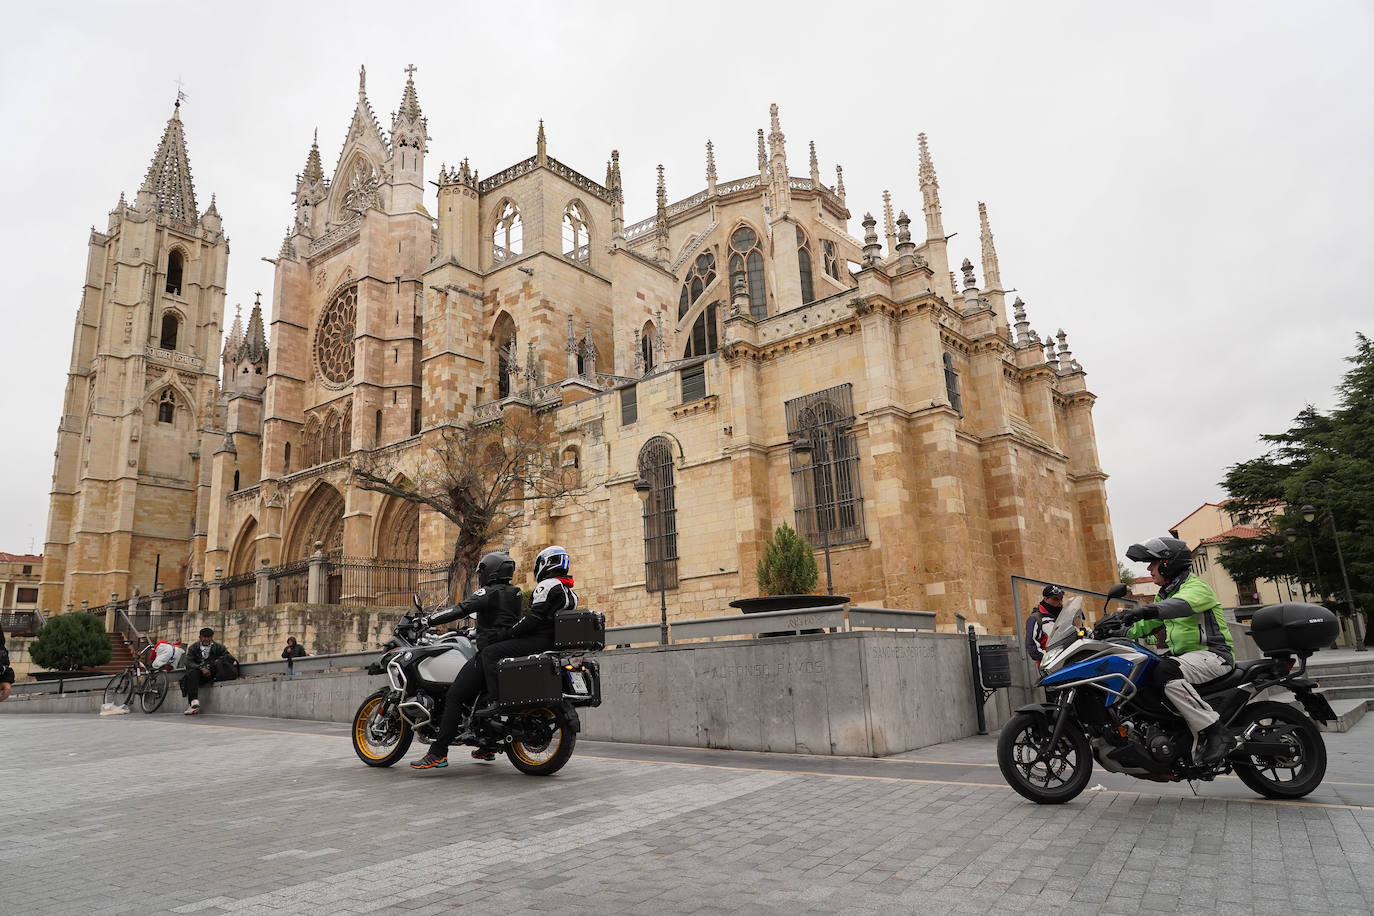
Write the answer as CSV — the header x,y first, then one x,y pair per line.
x,y
1102,705
537,724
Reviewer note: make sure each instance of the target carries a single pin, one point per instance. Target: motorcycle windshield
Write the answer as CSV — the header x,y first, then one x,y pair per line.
x,y
1067,624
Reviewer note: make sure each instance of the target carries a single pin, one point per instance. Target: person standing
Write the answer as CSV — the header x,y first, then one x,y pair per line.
x,y
1041,621
6,672
292,652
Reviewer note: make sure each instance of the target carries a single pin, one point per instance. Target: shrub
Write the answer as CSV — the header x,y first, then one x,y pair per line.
x,y
69,642
787,567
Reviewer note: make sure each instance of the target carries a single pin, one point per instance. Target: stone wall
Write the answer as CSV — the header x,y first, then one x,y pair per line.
x,y
259,634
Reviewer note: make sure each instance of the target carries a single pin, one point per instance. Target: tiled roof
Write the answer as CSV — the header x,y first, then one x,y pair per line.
x,y
1240,531
20,557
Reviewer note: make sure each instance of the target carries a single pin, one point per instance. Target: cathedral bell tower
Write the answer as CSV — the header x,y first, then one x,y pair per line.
x,y
140,385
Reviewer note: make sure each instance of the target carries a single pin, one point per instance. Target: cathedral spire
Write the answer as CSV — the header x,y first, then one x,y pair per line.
x,y
889,227
777,165
167,187
992,275
233,342
617,190
661,230
410,101
541,145
763,155
253,348
815,168
930,193
364,119
839,181
314,169
710,167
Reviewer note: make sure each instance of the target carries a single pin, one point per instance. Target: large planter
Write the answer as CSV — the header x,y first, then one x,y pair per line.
x,y
62,675
765,603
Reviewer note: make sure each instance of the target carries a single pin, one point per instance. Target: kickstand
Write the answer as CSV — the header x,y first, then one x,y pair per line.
x,y
1192,784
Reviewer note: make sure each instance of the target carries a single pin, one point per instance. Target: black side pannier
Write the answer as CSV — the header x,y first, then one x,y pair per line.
x,y
579,630
528,681
1293,627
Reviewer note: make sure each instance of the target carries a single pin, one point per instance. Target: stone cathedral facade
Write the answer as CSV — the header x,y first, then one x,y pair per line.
x,y
952,445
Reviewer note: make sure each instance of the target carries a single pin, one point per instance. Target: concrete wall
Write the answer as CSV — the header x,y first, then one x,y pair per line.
x,y
867,693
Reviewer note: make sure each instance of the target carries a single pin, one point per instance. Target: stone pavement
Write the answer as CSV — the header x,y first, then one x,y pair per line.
x,y
140,814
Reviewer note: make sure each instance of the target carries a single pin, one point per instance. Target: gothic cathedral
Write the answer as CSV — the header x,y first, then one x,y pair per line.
x,y
949,447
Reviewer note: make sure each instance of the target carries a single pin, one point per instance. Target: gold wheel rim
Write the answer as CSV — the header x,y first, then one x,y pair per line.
x,y
360,739
544,756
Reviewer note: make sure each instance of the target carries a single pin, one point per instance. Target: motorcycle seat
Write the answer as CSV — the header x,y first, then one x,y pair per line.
x,y
1232,678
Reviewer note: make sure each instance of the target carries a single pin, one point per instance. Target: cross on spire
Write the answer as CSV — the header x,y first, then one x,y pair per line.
x,y
410,72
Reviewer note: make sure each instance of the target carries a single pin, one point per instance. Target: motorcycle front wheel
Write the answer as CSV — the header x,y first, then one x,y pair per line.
x,y
541,741
1293,774
380,739
1051,780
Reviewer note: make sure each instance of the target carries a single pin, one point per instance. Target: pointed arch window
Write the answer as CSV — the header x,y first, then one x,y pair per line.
x,y
808,291
646,346
704,336
507,240
660,515
166,406
175,265
171,328
952,385
286,459
825,489
698,280
506,356
746,257
831,259
577,242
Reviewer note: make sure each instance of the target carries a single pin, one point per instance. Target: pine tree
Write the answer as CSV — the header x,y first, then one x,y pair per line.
x,y
788,566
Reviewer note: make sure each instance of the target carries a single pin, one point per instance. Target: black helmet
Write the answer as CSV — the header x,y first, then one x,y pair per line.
x,y
1172,555
1052,591
496,566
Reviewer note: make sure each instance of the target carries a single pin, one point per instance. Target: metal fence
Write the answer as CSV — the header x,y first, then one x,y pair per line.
x,y
178,599
21,623
239,592
290,583
353,580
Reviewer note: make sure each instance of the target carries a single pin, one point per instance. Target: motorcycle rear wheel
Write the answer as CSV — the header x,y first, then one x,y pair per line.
x,y
387,742
540,757
1051,782
1305,766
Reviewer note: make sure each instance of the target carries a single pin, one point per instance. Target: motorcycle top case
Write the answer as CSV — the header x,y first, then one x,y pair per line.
x,y
579,630
528,681
1293,627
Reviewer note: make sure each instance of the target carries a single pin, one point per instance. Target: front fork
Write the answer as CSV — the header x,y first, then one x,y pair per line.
x,y
1057,732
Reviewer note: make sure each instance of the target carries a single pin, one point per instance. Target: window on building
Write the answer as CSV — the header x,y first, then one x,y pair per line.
x,y
694,383
804,267
660,515
28,570
646,346
831,258
1246,592
26,595
746,257
166,406
171,325
415,422
629,405
286,457
507,239
377,428
698,279
174,269
576,239
703,339
825,488
952,385
236,481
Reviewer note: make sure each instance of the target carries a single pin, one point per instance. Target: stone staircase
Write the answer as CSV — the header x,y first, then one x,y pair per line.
x,y
1347,682
121,656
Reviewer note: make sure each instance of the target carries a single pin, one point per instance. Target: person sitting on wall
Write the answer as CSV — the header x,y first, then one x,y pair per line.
x,y
206,661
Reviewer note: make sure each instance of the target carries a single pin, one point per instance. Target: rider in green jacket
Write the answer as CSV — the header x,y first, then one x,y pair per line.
x,y
1200,644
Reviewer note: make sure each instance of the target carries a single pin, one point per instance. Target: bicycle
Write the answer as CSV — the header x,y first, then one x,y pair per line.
x,y
150,686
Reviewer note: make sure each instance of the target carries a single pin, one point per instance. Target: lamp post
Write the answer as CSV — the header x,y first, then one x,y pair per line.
x,y
643,489
1309,515
805,451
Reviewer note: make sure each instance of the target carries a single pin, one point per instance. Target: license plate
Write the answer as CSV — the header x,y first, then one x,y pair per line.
x,y
578,681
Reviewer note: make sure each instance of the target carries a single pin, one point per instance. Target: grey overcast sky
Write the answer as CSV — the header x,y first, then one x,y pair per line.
x,y
1183,187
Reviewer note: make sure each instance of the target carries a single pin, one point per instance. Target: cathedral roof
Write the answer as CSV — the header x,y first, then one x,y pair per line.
x,y
169,176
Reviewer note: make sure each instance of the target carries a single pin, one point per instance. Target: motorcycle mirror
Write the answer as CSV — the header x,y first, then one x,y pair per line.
x,y
1118,590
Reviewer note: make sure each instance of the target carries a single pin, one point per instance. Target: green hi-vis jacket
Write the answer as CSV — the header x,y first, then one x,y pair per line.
x,y
1191,617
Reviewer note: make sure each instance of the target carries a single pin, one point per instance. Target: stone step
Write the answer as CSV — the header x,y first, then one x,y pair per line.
x,y
1352,692
1320,669
1348,711
1355,679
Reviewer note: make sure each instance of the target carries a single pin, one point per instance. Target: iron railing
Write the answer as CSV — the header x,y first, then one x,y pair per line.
x,y
239,592
289,584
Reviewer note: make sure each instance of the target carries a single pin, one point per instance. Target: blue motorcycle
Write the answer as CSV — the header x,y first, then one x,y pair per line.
x,y
1101,704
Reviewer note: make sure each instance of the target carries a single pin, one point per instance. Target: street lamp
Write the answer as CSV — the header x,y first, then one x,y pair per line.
x,y
1309,514
643,489
805,452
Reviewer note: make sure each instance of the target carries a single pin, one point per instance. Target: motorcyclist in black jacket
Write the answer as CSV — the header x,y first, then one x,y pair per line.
x,y
496,605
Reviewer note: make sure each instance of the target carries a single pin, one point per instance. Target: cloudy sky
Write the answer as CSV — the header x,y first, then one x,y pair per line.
x,y
1184,187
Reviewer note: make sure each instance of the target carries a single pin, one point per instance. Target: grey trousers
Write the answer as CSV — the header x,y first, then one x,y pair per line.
x,y
1198,668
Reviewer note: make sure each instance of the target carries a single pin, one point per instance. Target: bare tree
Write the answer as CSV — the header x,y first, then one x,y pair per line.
x,y
484,479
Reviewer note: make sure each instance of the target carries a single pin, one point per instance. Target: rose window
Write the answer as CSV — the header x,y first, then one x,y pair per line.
x,y
334,338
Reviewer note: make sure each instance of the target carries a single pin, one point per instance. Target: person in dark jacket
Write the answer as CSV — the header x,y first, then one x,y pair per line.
x,y
201,659
1041,621
6,672
496,606
292,652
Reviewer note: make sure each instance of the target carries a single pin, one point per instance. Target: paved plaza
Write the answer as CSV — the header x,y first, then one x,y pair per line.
x,y
139,814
